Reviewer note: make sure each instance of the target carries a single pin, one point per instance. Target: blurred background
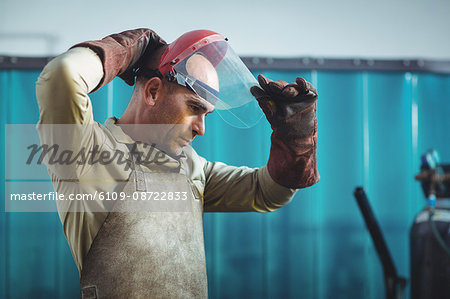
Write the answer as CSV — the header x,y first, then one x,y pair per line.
x,y
382,71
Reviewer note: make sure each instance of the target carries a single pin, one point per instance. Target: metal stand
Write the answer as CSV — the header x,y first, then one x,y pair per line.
x,y
395,285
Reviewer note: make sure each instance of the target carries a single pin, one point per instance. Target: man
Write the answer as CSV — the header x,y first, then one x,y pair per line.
x,y
156,250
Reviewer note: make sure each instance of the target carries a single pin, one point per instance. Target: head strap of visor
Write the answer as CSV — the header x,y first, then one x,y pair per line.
x,y
148,73
205,91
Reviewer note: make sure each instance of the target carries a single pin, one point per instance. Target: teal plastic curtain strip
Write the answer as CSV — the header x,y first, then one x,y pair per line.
x,y
373,127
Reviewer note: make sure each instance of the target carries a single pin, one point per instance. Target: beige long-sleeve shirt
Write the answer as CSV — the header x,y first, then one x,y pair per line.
x,y
62,93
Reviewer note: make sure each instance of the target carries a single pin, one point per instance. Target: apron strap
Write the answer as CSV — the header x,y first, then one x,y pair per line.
x,y
139,174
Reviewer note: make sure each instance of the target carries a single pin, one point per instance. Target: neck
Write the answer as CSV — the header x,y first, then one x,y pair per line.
x,y
132,121
130,116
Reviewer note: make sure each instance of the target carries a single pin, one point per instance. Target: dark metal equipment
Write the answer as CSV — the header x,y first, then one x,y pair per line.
x,y
430,233
395,285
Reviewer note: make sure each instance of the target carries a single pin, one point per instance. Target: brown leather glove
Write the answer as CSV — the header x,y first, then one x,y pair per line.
x,y
291,112
123,52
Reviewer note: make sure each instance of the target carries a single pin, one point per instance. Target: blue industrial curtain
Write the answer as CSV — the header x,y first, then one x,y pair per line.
x,y
373,127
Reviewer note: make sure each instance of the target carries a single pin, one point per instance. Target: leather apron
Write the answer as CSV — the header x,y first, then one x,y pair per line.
x,y
151,253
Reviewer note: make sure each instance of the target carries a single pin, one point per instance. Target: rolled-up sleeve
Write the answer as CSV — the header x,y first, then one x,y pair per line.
x,y
242,189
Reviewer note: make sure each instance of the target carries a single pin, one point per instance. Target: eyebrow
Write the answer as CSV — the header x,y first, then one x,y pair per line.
x,y
200,105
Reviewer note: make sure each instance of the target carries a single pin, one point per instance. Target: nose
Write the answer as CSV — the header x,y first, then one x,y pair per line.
x,y
198,125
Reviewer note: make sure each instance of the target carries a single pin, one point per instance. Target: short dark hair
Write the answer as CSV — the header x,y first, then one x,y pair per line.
x,y
141,80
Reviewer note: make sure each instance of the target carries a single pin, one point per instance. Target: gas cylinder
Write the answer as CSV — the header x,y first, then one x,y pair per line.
x,y
430,233
429,262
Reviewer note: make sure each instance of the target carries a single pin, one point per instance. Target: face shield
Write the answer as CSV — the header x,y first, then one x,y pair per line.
x,y
211,69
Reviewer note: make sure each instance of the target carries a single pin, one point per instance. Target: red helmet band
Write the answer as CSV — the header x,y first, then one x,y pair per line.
x,y
168,60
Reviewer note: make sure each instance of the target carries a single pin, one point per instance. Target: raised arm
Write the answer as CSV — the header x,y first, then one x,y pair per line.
x,y
64,84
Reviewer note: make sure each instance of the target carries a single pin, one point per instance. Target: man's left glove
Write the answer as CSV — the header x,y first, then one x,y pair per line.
x,y
291,112
121,53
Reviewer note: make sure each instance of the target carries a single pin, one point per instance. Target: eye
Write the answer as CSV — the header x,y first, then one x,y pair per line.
x,y
195,108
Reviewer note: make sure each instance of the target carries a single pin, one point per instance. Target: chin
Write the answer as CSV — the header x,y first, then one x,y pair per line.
x,y
174,150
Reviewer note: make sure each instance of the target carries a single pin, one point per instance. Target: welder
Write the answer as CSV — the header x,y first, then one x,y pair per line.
x,y
158,252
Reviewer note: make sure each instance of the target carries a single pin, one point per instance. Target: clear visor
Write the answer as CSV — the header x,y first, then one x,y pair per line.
x,y
218,75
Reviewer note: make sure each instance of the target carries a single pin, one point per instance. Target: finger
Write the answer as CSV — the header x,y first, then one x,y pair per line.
x,y
277,86
264,82
257,92
302,85
311,88
264,101
290,91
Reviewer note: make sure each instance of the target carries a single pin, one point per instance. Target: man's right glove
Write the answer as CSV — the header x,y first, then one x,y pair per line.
x,y
291,112
123,52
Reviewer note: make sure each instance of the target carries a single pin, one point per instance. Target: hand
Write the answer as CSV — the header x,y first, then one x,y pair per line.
x,y
121,53
289,108
274,96
291,112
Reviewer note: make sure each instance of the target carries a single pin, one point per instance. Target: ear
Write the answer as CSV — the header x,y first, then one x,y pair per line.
x,y
152,91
